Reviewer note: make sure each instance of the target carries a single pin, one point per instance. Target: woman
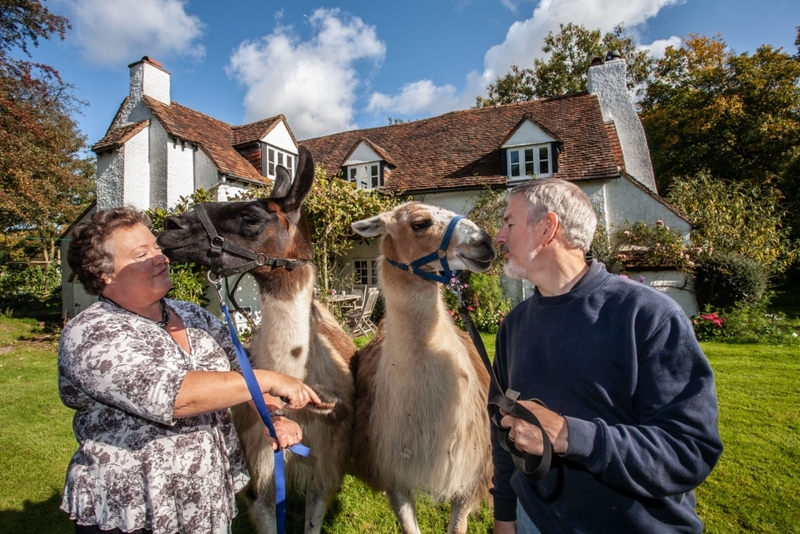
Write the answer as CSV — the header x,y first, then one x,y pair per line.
x,y
151,380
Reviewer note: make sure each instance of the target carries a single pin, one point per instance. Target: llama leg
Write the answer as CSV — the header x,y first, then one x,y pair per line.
x,y
316,506
459,512
403,506
262,512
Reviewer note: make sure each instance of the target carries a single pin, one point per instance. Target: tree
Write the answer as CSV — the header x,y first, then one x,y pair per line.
x,y
571,51
45,182
745,218
735,116
331,207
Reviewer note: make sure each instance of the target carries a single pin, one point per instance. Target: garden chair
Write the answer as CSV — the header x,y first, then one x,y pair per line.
x,y
358,320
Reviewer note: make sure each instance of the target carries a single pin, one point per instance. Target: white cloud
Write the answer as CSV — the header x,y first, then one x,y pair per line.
x,y
522,44
313,83
122,31
524,39
414,98
657,48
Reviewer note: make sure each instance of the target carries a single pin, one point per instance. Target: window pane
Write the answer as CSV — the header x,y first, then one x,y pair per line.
x,y
529,169
353,174
289,163
373,276
374,172
544,160
280,158
271,155
528,155
271,169
514,156
360,271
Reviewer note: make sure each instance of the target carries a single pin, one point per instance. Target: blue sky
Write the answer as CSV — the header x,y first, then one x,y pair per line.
x,y
334,66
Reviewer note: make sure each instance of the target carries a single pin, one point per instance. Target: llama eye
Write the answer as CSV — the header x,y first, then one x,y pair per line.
x,y
421,226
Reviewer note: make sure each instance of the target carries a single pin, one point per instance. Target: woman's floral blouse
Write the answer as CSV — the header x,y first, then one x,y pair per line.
x,y
137,467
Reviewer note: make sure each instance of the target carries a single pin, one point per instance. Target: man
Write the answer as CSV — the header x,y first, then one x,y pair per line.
x,y
631,405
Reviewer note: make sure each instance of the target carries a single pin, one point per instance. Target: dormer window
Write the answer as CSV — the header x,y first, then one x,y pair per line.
x,y
366,176
529,161
275,157
528,152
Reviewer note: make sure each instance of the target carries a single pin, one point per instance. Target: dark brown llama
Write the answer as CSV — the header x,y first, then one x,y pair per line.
x,y
297,336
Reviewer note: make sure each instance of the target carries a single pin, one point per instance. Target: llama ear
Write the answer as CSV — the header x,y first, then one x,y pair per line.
x,y
369,227
304,179
283,181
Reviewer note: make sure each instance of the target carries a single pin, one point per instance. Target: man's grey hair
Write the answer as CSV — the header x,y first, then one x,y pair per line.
x,y
570,204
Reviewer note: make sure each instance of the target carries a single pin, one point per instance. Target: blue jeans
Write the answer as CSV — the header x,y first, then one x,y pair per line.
x,y
524,523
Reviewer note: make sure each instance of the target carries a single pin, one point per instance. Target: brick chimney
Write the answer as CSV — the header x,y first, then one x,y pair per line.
x,y
606,80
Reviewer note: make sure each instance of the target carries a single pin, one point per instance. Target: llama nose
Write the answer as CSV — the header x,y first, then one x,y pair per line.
x,y
174,223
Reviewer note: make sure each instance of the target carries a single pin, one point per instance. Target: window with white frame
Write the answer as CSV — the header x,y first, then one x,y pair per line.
x,y
530,161
275,157
367,176
365,272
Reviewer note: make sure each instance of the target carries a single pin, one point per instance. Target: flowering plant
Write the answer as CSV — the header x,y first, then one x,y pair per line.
x,y
707,326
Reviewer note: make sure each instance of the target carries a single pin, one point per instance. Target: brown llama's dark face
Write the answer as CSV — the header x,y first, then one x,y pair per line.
x,y
273,226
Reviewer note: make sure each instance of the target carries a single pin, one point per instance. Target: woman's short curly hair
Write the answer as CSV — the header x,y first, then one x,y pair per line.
x,y
88,256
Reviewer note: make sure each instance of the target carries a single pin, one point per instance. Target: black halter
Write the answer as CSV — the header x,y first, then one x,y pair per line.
x,y
220,246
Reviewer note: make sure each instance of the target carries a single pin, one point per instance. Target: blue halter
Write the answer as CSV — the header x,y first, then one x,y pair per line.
x,y
440,254
263,411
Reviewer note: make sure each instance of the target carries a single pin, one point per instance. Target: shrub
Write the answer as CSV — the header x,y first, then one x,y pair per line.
x,y
30,286
746,323
724,279
483,296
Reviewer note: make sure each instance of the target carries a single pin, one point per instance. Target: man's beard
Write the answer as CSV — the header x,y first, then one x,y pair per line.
x,y
514,270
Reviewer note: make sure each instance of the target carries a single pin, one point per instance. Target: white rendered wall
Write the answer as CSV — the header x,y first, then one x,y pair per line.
x,y
158,165
528,134
671,283
147,79
607,82
205,172
280,137
180,171
110,169
136,187
362,154
625,201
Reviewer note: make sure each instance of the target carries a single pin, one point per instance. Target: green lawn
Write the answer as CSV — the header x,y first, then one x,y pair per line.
x,y
754,488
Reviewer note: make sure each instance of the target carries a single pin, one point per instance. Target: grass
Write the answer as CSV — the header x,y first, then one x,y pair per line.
x,y
754,488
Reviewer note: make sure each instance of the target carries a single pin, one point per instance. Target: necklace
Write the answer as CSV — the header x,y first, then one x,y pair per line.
x,y
164,312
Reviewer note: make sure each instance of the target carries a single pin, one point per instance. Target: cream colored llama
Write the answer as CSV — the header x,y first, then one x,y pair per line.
x,y
297,336
421,389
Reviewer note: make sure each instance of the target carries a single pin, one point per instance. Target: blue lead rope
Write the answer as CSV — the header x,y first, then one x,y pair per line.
x,y
263,411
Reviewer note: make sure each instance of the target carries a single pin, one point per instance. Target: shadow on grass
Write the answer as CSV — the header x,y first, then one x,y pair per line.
x,y
39,517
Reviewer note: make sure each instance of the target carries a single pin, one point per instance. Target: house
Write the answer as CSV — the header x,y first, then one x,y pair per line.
x,y
157,151
594,139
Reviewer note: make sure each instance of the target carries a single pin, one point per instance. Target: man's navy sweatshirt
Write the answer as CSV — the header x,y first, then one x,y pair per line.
x,y
619,360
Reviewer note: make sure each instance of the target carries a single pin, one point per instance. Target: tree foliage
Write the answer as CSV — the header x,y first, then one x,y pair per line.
x,y
331,207
570,52
739,217
735,116
45,181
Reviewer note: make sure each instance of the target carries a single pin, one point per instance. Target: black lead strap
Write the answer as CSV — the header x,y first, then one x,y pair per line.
x,y
534,468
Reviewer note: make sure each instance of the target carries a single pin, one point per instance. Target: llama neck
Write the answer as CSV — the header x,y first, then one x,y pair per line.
x,y
413,304
284,338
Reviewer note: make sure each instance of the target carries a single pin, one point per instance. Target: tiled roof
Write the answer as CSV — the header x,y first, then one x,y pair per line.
x,y
462,149
214,137
118,137
255,131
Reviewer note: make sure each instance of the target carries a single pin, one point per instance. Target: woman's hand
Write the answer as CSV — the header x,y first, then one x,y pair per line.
x,y
288,432
293,391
